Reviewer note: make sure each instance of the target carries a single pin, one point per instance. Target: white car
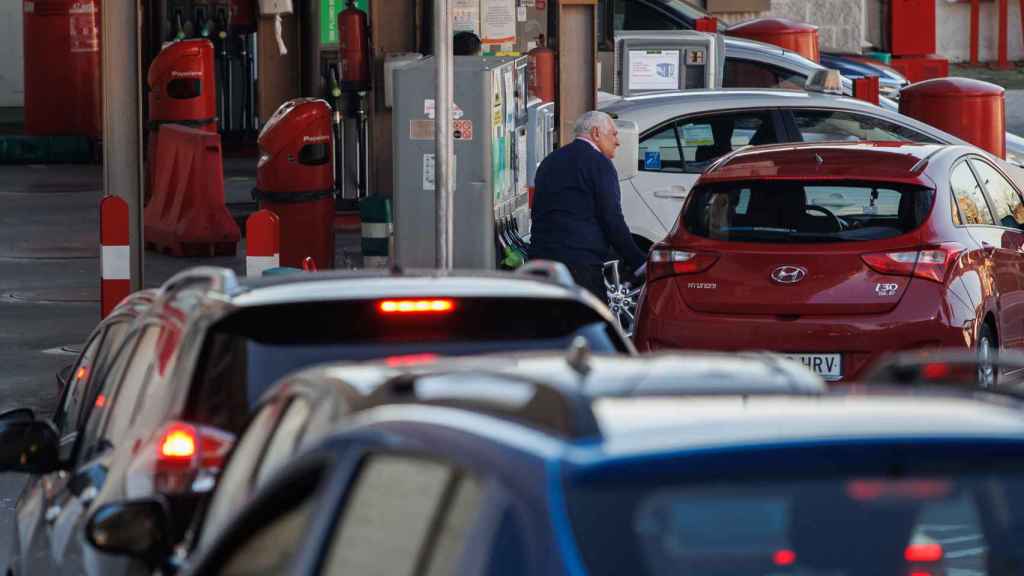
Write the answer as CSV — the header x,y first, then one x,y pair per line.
x,y
678,135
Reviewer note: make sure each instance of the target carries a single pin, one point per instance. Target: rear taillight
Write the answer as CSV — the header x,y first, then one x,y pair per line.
x,y
923,553
184,452
930,263
663,262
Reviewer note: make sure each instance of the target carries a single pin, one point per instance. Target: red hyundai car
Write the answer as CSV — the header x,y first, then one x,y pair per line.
x,y
837,253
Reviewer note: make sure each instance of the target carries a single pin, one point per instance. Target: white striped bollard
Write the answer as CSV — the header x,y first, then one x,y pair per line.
x,y
115,262
263,242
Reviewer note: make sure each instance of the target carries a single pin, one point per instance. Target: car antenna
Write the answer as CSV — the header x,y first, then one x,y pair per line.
x,y
578,356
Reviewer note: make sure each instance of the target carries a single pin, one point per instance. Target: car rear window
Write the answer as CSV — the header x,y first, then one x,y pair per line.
x,y
882,525
806,212
247,352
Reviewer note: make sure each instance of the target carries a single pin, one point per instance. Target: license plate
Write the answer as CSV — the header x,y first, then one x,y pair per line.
x,y
828,366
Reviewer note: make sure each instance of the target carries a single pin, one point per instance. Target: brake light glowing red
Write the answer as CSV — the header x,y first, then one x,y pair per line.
x,y
82,373
427,306
408,359
784,557
178,443
867,490
921,553
101,401
662,263
930,262
936,370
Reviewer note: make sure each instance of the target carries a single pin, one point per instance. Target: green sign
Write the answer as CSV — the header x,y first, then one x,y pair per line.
x,y
329,10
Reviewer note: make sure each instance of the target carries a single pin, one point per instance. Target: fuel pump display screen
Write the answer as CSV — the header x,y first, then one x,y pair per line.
x,y
654,69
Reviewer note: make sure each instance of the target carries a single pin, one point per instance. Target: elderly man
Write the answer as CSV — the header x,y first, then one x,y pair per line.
x,y
577,210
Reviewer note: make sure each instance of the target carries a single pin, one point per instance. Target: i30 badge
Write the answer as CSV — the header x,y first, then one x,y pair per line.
x,y
788,274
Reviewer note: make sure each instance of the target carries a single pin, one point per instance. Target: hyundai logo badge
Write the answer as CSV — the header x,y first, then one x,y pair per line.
x,y
788,274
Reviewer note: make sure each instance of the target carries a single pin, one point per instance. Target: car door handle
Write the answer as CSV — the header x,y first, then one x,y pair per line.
x,y
674,191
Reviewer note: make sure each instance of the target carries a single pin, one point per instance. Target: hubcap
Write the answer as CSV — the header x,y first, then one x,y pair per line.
x,y
986,369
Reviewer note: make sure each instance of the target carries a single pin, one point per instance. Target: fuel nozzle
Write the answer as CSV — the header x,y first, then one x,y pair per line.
x,y
203,22
179,23
222,23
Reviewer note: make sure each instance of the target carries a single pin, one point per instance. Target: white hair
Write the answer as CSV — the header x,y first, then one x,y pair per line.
x,y
593,119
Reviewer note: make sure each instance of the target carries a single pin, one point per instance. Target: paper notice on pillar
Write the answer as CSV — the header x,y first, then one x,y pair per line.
x,y
430,172
85,27
498,22
430,108
466,16
654,69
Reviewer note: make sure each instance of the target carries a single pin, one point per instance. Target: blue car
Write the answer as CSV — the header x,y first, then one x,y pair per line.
x,y
890,81
493,472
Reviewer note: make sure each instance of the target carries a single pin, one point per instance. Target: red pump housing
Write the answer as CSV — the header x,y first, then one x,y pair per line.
x,y
788,34
63,90
182,85
967,108
295,180
354,49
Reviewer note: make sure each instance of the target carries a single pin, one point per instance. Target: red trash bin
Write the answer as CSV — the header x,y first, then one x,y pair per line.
x,y
295,180
972,110
63,90
182,90
789,34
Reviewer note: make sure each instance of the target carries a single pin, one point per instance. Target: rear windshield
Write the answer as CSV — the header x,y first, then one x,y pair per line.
x,y
247,352
848,526
802,212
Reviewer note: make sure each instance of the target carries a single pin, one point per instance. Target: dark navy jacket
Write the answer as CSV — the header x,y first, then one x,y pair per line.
x,y
577,210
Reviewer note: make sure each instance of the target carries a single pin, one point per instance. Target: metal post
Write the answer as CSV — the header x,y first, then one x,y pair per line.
x,y
122,118
443,176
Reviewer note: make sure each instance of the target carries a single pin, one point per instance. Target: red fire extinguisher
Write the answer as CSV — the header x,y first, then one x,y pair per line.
x,y
354,49
541,70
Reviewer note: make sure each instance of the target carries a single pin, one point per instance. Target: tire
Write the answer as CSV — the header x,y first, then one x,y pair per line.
x,y
988,351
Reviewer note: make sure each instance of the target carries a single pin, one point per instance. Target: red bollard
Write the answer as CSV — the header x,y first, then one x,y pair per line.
x,y
263,243
1003,63
975,16
707,24
115,256
866,89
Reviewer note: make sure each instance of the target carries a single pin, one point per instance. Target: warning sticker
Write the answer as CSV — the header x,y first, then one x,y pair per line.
x,y
462,129
421,129
430,171
85,31
424,129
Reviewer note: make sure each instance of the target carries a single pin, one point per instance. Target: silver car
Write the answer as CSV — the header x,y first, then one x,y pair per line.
x,y
678,135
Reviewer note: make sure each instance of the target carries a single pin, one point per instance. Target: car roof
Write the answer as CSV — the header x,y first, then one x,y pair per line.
x,y
370,284
652,109
889,161
684,372
635,425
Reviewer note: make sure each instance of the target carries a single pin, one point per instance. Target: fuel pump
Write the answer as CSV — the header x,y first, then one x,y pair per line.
x,y
354,63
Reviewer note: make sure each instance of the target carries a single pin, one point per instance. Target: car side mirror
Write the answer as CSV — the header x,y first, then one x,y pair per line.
x,y
27,445
17,414
628,156
137,528
63,377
